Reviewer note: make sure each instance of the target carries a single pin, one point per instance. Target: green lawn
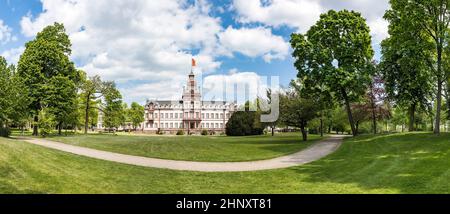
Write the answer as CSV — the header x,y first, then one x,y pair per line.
x,y
411,163
194,148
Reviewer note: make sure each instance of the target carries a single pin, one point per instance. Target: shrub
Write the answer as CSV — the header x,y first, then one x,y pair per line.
x,y
244,123
159,132
46,123
5,132
180,132
204,132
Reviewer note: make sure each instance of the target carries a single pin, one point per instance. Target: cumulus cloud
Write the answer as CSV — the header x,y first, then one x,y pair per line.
x,y
13,55
133,40
255,42
150,42
302,14
5,33
235,86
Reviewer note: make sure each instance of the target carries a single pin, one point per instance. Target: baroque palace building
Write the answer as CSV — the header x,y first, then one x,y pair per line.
x,y
190,114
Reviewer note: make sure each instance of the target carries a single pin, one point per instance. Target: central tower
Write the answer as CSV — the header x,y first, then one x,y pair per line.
x,y
192,103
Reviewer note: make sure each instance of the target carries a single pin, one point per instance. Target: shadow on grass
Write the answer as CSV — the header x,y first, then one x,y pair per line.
x,y
405,163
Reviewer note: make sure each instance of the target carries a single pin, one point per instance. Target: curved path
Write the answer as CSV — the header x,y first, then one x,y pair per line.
x,y
313,153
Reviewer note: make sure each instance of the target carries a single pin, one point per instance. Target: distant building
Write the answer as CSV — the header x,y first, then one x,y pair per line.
x,y
190,114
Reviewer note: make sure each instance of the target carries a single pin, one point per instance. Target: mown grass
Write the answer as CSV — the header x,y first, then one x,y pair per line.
x,y
194,148
402,163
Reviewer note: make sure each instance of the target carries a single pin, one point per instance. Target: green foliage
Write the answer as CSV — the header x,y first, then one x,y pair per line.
x,y
113,109
46,123
180,132
244,123
13,97
428,20
5,131
335,55
136,114
297,111
48,74
204,132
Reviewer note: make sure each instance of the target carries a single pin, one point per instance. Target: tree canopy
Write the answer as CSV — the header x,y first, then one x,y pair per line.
x,y
336,54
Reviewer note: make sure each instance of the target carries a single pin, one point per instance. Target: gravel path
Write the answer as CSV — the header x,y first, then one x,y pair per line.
x,y
313,153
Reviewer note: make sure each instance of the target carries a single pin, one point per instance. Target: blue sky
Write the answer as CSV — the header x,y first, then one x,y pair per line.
x,y
146,46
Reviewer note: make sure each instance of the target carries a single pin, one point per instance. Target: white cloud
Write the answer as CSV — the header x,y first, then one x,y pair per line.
x,y
13,55
255,42
300,14
135,40
235,86
5,33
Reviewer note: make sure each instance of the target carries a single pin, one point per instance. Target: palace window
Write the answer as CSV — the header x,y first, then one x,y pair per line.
x,y
171,125
217,115
221,125
203,116
221,116
207,125
167,115
197,115
171,115
207,115
162,115
212,116
156,115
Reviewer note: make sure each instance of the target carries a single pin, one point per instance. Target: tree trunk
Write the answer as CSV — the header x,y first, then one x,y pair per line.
x,y
304,133
412,119
357,127
86,116
374,119
321,127
60,128
437,128
35,126
273,131
349,112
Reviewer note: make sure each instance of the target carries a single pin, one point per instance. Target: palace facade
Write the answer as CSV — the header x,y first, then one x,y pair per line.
x,y
190,114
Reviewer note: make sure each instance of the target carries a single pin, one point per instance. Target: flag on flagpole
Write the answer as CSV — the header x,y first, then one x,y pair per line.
x,y
194,63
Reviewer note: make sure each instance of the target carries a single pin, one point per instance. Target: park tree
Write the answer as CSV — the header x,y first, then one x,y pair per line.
x,y
112,107
13,99
43,64
297,111
266,104
431,17
405,65
136,114
336,53
92,91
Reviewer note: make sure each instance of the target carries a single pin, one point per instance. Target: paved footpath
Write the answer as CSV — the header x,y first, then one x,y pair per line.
x,y
313,153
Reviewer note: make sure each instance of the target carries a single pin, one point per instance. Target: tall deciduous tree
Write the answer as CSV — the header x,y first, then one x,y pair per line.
x,y
113,109
433,18
91,91
13,98
336,53
406,60
44,62
136,114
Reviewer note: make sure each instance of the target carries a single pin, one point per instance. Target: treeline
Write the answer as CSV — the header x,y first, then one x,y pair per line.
x,y
339,87
45,91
